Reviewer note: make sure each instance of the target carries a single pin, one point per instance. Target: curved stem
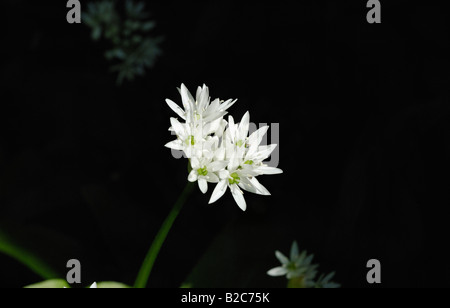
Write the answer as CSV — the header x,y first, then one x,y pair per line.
x,y
147,265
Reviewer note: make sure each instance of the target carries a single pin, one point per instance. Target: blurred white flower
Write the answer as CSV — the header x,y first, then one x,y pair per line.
x,y
295,266
298,268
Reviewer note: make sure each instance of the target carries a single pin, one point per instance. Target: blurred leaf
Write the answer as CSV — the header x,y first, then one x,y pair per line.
x,y
49,284
115,53
112,285
147,26
186,286
96,33
16,251
126,35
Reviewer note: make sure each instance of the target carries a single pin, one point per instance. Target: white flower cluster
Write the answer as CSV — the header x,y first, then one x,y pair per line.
x,y
219,151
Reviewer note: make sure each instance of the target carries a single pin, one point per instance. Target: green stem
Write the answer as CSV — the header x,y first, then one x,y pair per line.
x,y
296,283
147,265
35,264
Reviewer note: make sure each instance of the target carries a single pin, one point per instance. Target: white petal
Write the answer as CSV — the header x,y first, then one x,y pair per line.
x,y
93,286
188,102
247,186
219,191
234,161
192,177
240,154
238,197
224,106
212,178
176,145
219,132
195,163
186,97
277,271
217,166
198,93
255,140
203,185
264,152
178,128
281,257
219,154
244,125
176,108
259,187
213,107
203,99
231,129
294,251
212,127
268,170
213,116
224,174
248,171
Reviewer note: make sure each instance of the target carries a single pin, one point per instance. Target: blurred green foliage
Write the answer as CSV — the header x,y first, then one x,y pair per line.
x,y
132,50
49,284
326,283
60,284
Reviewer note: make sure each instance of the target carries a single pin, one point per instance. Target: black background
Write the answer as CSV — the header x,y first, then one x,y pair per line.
x,y
364,142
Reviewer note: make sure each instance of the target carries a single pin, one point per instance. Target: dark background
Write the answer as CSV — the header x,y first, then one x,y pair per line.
x,y
364,143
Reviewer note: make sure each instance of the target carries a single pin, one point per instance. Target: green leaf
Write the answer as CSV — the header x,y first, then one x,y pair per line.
x,y
11,248
49,284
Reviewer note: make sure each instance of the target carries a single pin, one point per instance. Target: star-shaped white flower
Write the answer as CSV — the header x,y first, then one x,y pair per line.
x,y
245,156
199,108
205,170
189,139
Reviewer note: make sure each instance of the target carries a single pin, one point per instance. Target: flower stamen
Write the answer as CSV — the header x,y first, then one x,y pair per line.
x,y
202,171
235,179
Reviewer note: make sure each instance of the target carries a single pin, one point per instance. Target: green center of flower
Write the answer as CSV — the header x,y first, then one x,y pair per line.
x,y
235,179
240,143
190,140
291,266
202,171
249,162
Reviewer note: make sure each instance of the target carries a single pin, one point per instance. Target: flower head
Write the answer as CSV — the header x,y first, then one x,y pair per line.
x,y
219,151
